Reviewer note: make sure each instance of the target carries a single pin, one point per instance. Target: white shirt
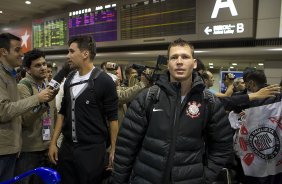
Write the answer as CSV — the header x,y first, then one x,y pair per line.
x,y
77,78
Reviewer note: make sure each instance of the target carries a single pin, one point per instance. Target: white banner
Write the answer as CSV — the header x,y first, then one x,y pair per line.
x,y
258,141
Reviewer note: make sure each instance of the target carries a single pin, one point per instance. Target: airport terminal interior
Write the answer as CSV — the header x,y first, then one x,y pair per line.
x,y
228,35
134,31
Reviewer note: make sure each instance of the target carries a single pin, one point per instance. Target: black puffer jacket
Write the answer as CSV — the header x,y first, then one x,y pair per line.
x,y
170,150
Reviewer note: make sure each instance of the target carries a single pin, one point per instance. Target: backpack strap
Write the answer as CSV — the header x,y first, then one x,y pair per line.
x,y
68,80
94,75
152,97
208,100
91,82
28,85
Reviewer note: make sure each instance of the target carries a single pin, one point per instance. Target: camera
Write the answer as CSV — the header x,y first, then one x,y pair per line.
x,y
111,66
151,73
230,76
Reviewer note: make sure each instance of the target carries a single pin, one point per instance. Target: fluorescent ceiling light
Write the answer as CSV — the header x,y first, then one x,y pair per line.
x,y
200,51
136,53
27,2
234,64
276,49
210,64
231,67
260,64
1,11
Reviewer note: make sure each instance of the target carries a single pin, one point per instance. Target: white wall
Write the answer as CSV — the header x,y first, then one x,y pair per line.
x,y
273,71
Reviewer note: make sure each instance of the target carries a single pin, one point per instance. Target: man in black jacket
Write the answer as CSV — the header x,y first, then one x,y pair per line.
x,y
81,159
168,146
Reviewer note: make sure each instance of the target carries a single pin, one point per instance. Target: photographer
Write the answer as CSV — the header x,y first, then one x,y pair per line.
x,y
127,94
111,69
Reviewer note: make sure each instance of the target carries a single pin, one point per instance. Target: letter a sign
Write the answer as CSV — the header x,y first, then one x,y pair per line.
x,y
224,4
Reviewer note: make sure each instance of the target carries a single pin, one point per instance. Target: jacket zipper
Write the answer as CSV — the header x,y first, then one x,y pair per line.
x,y
167,176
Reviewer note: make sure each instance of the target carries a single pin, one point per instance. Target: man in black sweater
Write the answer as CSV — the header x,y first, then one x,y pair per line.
x,y
86,109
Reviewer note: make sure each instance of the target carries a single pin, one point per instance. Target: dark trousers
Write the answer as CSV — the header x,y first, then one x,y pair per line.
x,y
81,163
7,166
31,160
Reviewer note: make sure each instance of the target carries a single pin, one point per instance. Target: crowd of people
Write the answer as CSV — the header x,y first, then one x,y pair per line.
x,y
98,129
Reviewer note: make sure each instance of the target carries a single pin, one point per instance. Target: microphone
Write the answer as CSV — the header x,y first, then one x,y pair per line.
x,y
58,78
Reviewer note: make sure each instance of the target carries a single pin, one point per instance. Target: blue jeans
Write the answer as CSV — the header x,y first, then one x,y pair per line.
x,y
7,166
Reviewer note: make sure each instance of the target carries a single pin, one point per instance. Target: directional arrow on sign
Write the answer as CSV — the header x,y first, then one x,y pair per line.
x,y
208,30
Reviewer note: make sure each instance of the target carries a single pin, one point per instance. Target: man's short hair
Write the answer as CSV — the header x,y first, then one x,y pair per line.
x,y
5,39
128,70
103,65
205,75
85,43
200,65
49,65
237,81
246,72
258,76
31,56
182,43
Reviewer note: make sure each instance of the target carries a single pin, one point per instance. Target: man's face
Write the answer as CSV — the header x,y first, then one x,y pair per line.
x,y
49,74
241,85
38,69
75,56
210,81
15,54
181,63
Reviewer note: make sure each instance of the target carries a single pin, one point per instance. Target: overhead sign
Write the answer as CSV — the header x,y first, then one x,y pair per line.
x,y
225,19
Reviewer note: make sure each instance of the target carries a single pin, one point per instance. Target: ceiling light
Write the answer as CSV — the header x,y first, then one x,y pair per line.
x,y
260,64
1,11
234,64
27,2
231,67
276,49
211,66
200,51
210,63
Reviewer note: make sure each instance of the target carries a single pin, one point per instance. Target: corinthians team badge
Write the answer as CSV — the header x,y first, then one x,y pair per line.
x,y
193,109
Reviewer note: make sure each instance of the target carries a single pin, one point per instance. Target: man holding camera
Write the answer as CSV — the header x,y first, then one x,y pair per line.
x,y
228,81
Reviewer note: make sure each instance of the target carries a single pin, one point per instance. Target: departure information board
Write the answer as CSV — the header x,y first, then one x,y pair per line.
x,y
155,18
48,33
101,23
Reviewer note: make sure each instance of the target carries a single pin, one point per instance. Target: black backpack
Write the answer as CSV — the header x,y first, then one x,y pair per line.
x,y
91,81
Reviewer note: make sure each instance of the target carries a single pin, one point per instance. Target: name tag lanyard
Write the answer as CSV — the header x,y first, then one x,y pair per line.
x,y
46,122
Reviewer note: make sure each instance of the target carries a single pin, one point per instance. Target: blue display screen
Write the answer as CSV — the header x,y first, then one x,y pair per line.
x,y
100,24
